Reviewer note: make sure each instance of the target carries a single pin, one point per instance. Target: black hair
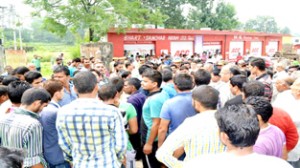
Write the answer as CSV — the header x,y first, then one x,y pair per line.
x,y
85,82
20,70
235,70
134,82
8,79
238,80
253,88
216,71
201,77
259,63
107,91
128,63
16,90
167,75
125,74
154,76
207,96
118,83
143,68
183,81
34,94
262,106
3,90
239,122
76,60
11,158
62,68
32,75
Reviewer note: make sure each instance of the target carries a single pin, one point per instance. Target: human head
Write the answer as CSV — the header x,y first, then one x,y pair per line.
x,y
152,80
129,66
99,66
207,102
261,106
87,63
143,68
85,83
16,90
62,73
284,83
239,124
118,66
167,75
118,83
53,87
31,67
107,92
236,84
257,65
8,79
76,62
35,99
11,158
295,88
183,82
201,77
131,85
58,61
34,78
215,75
19,72
3,93
253,88
125,74
226,73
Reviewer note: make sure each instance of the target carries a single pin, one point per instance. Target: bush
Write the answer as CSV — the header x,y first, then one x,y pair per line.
x,y
75,51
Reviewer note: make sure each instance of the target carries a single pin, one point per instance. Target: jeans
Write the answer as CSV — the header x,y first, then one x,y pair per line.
x,y
62,165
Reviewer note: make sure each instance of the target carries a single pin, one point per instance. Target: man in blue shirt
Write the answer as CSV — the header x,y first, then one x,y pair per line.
x,y
62,73
152,80
178,108
52,152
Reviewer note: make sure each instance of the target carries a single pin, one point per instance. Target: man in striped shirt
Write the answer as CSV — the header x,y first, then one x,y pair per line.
x,y
90,133
22,129
199,134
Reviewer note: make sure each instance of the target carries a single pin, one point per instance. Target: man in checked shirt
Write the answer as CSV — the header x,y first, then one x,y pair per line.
x,y
91,134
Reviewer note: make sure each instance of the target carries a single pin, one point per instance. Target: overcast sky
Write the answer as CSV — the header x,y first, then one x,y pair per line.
x,y
284,11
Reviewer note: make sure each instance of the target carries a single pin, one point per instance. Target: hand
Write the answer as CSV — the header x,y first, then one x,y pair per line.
x,y
147,149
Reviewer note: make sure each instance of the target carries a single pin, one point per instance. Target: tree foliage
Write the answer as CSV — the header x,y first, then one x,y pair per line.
x,y
214,14
265,24
96,16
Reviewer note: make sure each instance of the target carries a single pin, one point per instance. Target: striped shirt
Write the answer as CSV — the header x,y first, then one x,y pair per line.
x,y
198,135
23,130
91,134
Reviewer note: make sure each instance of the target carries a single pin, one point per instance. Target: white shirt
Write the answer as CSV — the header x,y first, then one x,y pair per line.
x,y
228,160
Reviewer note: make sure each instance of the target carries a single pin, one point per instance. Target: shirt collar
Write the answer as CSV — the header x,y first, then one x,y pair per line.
x,y
27,112
153,93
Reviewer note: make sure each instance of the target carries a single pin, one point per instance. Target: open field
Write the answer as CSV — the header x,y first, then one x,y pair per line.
x,y
48,52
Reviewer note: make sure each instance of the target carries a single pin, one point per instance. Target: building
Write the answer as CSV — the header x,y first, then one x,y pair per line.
x,y
176,42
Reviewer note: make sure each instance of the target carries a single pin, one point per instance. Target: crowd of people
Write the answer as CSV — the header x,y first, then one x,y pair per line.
x,y
167,112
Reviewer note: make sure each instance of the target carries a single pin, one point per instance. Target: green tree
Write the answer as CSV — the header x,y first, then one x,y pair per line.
x,y
285,30
96,16
225,18
265,24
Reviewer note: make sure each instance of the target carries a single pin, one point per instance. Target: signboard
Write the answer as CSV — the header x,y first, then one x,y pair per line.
x,y
256,48
235,48
212,47
142,49
180,48
158,38
272,48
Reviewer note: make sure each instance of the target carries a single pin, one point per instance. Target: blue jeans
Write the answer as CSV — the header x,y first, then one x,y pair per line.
x,y
62,165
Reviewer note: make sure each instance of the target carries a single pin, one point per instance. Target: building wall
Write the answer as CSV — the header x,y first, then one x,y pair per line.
x,y
163,41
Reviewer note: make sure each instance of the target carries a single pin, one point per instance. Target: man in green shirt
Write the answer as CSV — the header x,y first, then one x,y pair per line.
x,y
37,62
